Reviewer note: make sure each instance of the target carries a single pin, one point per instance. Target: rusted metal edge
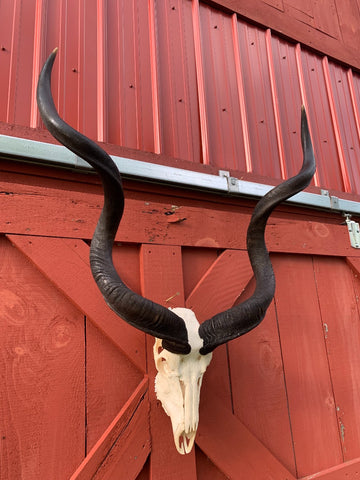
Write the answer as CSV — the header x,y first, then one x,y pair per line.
x,y
59,156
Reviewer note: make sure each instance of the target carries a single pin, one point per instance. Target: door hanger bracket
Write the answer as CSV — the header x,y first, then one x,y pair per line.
x,y
354,231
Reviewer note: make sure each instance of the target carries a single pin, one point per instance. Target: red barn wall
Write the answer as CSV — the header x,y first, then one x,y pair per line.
x,y
200,86
329,26
185,81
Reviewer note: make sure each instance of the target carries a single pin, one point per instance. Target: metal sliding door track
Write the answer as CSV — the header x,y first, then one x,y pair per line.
x,y
59,156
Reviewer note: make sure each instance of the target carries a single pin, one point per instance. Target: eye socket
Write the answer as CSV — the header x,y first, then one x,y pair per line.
x,y
160,349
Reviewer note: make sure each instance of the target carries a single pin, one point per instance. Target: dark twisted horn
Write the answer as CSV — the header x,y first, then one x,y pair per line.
x,y
136,310
244,317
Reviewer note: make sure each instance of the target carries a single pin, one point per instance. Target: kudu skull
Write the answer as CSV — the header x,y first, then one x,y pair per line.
x,y
182,348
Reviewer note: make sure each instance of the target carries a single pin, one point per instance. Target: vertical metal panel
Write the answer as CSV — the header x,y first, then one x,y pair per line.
x,y
101,53
154,77
200,83
260,113
346,123
129,82
241,94
289,101
319,112
335,123
178,98
354,95
8,12
39,14
88,64
226,147
17,40
275,101
304,100
184,79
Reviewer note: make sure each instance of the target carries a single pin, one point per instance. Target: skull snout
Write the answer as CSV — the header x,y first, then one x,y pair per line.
x,y
177,386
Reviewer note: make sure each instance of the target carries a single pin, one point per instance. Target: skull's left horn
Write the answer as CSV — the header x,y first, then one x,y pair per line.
x,y
133,308
247,315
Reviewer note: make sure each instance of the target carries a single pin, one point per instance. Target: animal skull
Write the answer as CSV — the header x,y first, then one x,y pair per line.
x,y
178,383
184,352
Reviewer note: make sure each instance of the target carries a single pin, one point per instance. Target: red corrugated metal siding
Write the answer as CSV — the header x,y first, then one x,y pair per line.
x,y
178,100
184,79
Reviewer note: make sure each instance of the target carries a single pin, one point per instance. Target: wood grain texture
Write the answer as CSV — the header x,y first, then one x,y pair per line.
x,y
196,261
63,211
258,386
111,378
215,292
123,448
42,356
205,469
65,263
232,448
162,282
346,471
339,309
308,383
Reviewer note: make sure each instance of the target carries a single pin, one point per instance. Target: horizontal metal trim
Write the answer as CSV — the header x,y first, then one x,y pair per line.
x,y
59,156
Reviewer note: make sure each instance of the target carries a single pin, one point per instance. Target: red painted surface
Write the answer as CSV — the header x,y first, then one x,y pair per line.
x,y
329,26
186,81
205,89
281,401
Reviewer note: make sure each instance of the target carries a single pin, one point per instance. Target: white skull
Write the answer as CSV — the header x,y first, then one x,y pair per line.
x,y
178,382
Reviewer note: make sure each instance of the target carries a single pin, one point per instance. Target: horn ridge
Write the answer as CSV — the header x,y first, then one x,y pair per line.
x,y
136,310
242,318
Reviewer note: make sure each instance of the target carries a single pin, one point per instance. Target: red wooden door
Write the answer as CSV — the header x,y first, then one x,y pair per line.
x,y
77,398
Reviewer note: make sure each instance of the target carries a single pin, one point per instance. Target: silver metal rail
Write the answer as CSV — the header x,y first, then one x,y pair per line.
x,y
59,156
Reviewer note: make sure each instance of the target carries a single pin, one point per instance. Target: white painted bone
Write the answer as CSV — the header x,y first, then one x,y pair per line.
x,y
178,383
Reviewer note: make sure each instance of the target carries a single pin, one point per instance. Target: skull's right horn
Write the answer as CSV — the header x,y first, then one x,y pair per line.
x,y
244,317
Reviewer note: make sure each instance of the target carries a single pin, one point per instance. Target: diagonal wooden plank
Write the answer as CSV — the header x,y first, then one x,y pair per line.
x,y
123,448
354,263
233,448
217,291
42,354
222,284
345,471
162,282
65,263
258,388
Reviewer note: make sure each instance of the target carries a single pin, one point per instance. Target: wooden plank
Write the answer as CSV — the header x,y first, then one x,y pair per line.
x,y
144,474
205,469
309,389
42,394
215,292
222,284
65,263
70,210
110,380
339,310
123,448
162,282
232,448
345,471
196,261
354,263
258,386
